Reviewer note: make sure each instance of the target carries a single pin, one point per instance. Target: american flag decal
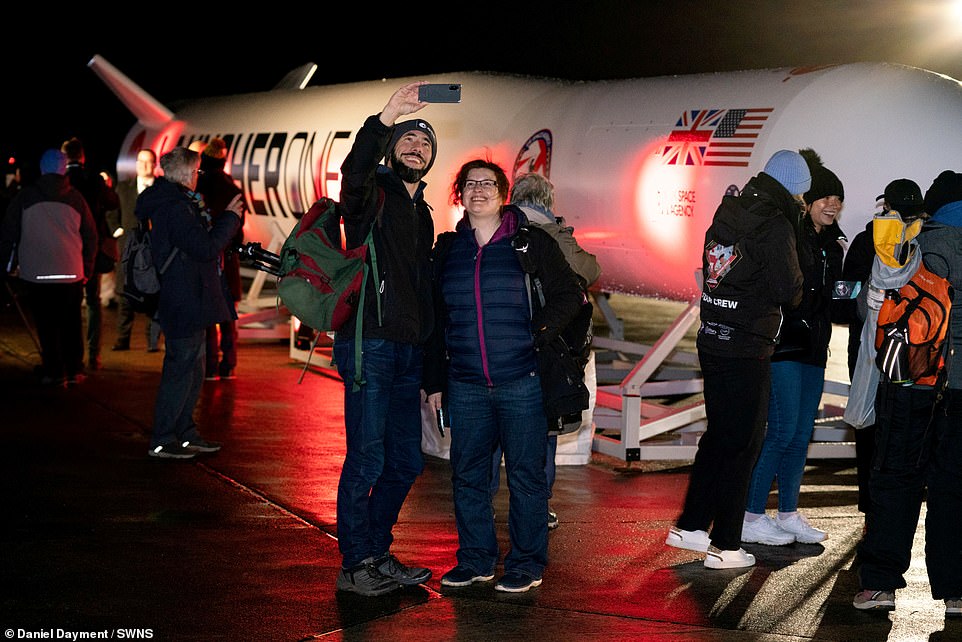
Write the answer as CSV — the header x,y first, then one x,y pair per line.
x,y
716,137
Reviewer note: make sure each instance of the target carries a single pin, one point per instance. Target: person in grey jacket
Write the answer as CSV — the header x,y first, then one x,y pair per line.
x,y
49,240
919,443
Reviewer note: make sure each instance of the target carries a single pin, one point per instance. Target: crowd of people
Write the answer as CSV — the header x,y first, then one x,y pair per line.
x,y
450,320
774,263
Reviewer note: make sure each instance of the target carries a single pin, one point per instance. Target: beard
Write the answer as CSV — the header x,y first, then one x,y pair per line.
x,y
405,173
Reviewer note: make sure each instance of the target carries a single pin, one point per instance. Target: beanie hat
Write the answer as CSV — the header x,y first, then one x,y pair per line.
x,y
824,181
789,169
946,188
408,125
905,197
53,161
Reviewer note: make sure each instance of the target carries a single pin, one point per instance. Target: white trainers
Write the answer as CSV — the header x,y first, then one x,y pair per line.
x,y
764,531
690,540
804,532
717,558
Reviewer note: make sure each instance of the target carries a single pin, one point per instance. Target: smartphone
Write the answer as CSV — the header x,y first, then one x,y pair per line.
x,y
449,93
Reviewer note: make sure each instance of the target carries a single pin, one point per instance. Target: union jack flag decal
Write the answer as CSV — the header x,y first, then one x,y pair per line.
x,y
715,137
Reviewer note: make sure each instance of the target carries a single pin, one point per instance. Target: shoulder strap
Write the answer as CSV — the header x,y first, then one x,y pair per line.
x,y
359,320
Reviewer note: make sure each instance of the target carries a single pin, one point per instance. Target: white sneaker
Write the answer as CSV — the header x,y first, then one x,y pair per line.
x,y
690,540
804,532
764,531
717,558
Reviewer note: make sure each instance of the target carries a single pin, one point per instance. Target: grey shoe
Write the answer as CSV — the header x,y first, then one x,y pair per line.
x,y
365,579
390,566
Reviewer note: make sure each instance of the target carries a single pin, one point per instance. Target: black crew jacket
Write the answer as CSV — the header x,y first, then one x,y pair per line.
x,y
750,271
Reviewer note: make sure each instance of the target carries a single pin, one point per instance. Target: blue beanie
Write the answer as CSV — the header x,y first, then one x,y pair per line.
x,y
422,126
53,161
791,170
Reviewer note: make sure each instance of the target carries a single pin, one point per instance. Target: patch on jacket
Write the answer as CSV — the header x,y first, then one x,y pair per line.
x,y
720,260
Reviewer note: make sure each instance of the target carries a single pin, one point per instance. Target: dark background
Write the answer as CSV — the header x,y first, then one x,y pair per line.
x,y
183,51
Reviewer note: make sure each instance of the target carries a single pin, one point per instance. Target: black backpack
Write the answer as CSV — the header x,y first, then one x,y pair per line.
x,y
562,362
141,276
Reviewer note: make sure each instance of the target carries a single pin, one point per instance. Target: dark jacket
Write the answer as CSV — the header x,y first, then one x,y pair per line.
x,y
49,226
218,190
857,267
750,271
191,291
497,346
820,259
403,236
100,198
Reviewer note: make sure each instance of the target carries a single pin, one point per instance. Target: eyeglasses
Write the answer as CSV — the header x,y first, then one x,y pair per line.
x,y
200,172
484,186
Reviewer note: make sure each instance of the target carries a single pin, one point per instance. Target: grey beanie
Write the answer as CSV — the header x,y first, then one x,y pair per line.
x,y
408,125
791,170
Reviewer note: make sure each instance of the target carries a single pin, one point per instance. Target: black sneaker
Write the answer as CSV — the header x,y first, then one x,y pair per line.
x,y
365,579
202,445
552,520
390,566
172,451
464,576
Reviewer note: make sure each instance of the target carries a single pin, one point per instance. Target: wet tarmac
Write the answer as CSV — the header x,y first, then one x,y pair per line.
x,y
101,540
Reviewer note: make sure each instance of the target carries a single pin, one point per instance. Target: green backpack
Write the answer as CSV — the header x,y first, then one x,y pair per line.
x,y
321,283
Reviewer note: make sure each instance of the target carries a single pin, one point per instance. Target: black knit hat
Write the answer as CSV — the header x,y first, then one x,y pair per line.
x,y
946,188
409,125
905,197
824,181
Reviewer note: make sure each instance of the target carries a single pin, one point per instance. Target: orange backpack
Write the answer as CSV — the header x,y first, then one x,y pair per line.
x,y
912,327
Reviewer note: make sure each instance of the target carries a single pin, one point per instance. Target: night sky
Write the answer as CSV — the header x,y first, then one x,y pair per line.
x,y
51,94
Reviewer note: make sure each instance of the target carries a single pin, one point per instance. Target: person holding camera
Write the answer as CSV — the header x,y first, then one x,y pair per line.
x,y
483,357
191,296
382,415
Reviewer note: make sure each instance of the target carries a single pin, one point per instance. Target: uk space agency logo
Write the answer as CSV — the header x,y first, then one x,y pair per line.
x,y
720,260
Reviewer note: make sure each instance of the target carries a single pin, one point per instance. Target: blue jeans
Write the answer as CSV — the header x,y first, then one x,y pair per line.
x,y
796,392
383,428
511,415
549,465
180,384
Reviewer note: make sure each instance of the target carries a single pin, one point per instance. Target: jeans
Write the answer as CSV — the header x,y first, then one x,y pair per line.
x,y
796,393
125,325
383,428
918,457
549,465
222,340
94,317
482,417
736,403
180,384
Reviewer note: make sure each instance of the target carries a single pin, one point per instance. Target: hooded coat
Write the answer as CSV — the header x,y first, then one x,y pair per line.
x,y
750,271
